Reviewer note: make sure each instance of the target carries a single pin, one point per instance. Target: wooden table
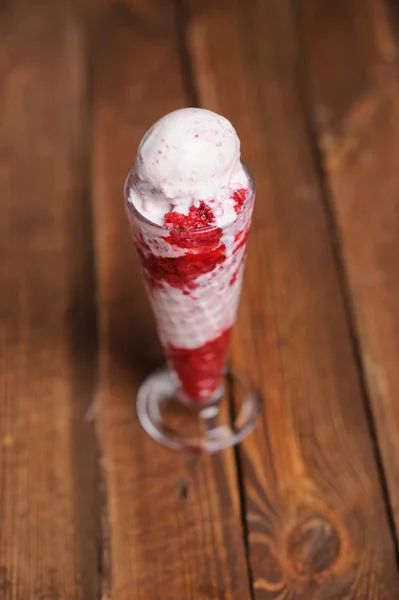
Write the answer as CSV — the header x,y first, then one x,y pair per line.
x,y
308,507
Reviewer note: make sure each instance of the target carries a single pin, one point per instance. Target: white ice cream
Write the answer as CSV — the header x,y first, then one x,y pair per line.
x,y
189,155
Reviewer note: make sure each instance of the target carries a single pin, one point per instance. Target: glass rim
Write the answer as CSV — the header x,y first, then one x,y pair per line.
x,y
131,208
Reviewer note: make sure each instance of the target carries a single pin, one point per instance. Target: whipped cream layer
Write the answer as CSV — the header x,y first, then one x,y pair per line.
x,y
190,316
189,155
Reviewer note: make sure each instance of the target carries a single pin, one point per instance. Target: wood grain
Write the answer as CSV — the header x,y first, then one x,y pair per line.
x,y
48,487
351,48
174,524
317,523
361,167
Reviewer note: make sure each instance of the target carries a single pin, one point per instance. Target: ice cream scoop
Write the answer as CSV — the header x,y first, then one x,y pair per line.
x,y
188,156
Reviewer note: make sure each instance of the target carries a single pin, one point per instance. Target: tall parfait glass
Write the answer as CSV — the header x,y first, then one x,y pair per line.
x,y
193,279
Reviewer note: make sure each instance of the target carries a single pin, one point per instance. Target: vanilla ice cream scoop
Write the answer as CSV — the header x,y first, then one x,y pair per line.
x,y
189,155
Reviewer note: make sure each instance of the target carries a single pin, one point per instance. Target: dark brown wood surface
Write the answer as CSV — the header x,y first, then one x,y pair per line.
x,y
49,534
360,159
90,507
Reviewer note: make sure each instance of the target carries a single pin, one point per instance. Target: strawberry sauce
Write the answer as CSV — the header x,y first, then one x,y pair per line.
x,y
200,370
204,250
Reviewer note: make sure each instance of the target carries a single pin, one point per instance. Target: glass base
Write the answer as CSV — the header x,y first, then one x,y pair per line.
x,y
195,427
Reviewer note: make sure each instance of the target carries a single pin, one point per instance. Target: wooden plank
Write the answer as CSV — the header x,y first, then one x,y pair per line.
x,y
175,529
317,523
48,483
361,167
393,15
351,49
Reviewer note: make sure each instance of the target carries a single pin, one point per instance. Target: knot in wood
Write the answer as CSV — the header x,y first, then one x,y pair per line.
x,y
313,546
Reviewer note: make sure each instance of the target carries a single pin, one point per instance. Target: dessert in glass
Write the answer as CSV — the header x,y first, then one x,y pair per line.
x,y
189,202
